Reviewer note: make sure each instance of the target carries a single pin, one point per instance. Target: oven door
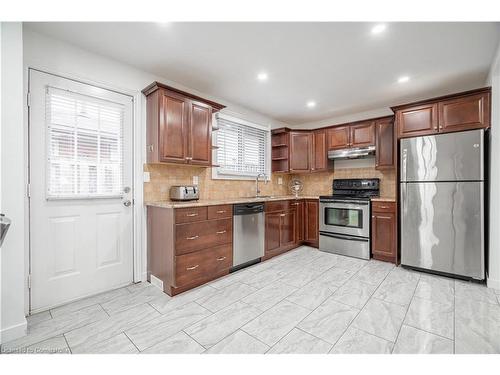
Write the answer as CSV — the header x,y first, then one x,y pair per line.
x,y
345,217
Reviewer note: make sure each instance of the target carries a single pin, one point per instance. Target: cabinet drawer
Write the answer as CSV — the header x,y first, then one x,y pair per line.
x,y
202,264
384,206
220,212
278,206
198,236
189,215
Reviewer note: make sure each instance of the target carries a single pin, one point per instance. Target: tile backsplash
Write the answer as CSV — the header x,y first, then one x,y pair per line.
x,y
162,176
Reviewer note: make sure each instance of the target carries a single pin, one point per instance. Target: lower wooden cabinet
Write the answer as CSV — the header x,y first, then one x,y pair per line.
x,y
280,232
383,231
311,223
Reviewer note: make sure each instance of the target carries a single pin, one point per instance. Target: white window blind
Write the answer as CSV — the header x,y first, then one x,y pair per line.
x,y
84,146
242,149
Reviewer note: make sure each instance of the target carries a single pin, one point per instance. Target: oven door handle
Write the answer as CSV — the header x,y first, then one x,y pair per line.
x,y
344,237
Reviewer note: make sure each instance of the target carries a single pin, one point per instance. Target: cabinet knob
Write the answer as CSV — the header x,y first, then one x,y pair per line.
x,y
282,215
221,259
192,268
192,238
221,232
221,212
191,215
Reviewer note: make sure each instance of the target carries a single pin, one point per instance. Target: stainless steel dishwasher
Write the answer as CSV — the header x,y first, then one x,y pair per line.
x,y
248,234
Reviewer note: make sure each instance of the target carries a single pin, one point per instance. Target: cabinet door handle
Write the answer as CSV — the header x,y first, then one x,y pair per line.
x,y
383,207
189,158
385,217
221,232
192,238
282,215
192,268
221,259
191,215
295,204
221,212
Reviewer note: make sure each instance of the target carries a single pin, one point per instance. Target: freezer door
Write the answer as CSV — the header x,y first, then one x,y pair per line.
x,y
442,227
443,157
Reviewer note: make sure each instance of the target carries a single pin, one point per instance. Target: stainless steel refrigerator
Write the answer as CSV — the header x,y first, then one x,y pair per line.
x,y
442,191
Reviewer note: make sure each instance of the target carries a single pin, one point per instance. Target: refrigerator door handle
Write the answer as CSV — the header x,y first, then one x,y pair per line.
x,y
404,155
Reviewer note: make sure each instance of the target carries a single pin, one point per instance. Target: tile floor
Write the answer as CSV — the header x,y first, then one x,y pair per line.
x,y
304,301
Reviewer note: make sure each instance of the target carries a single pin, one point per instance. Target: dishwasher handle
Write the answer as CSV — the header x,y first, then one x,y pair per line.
x,y
248,208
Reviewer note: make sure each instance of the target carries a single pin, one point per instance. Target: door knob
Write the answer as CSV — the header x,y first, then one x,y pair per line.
x,y
127,203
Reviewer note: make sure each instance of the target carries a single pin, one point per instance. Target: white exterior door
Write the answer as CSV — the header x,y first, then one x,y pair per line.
x,y
81,216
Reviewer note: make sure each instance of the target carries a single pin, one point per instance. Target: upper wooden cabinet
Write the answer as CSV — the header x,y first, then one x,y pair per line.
x,y
462,111
338,137
319,159
362,134
384,143
179,126
300,151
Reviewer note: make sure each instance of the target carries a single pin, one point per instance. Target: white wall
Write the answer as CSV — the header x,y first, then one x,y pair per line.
x,y
13,322
494,253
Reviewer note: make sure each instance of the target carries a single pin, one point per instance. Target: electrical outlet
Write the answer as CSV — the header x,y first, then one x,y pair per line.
x,y
195,180
280,180
147,177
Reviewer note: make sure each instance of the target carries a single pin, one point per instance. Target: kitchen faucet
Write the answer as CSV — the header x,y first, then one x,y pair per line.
x,y
257,190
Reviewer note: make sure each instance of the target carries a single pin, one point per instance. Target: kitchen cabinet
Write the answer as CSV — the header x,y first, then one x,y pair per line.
x,y
338,137
362,134
300,152
383,231
281,227
457,112
179,126
319,159
299,215
469,112
188,247
384,144
311,223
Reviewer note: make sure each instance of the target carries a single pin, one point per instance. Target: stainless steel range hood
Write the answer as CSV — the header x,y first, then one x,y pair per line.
x,y
352,153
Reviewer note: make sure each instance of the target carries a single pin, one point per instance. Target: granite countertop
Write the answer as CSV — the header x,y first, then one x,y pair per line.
x,y
214,202
383,199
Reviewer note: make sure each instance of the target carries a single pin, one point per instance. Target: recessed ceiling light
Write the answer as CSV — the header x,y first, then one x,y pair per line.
x,y
403,79
377,29
262,76
311,104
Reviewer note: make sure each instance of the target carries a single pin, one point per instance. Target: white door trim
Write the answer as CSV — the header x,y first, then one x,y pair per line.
x,y
139,214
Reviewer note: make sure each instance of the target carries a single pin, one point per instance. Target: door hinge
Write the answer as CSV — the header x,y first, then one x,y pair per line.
x,y
28,99
28,190
29,281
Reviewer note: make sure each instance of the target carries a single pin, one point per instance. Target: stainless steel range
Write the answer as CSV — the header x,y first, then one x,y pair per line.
x,y
344,217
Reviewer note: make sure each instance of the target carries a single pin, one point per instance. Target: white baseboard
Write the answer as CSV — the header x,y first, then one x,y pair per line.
x,y
494,284
13,332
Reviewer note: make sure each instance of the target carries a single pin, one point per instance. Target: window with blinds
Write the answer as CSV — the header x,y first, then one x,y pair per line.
x,y
84,146
242,149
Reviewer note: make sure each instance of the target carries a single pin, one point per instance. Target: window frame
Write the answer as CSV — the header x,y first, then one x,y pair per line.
x,y
216,175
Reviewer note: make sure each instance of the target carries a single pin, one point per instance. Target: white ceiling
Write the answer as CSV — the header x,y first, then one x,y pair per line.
x,y
342,66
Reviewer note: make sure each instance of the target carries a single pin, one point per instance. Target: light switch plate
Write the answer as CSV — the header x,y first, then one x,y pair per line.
x,y
280,180
147,177
195,180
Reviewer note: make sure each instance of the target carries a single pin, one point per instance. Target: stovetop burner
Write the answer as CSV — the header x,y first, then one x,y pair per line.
x,y
354,188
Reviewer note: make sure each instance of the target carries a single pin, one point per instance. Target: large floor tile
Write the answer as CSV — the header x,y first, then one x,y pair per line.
x,y
300,342
373,273
137,297
57,326
474,291
264,278
39,317
239,342
477,327
437,289
300,278
351,264
396,291
329,320
313,294
355,341
213,329
180,343
380,318
354,293
226,296
54,345
335,276
99,298
85,338
269,296
276,322
433,317
232,278
119,344
165,303
415,341
158,329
